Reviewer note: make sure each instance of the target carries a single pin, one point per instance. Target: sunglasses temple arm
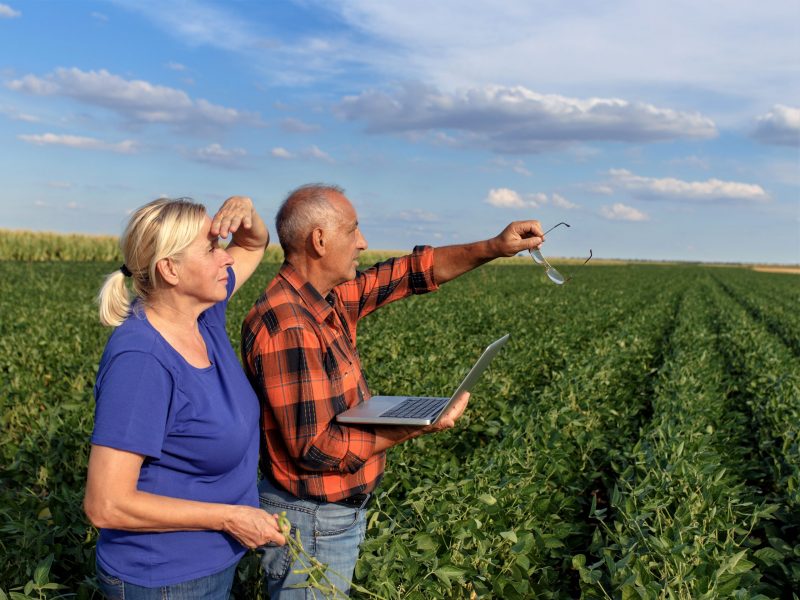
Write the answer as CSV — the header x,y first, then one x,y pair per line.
x,y
554,226
580,265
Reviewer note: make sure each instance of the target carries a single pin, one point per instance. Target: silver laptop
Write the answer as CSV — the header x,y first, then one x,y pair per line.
x,y
416,410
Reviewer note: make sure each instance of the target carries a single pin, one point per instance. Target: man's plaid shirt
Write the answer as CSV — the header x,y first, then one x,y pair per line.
x,y
299,351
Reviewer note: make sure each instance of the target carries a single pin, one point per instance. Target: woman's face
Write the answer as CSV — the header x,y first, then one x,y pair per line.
x,y
203,268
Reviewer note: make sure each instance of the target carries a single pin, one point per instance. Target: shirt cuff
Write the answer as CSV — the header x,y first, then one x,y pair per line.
x,y
422,280
359,450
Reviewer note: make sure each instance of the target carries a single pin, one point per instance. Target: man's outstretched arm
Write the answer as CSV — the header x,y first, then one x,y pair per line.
x,y
451,261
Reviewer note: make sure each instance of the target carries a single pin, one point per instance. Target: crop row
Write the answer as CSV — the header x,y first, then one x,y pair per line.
x,y
776,310
504,515
768,376
681,520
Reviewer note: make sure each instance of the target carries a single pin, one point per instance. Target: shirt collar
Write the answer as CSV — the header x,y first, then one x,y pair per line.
x,y
317,305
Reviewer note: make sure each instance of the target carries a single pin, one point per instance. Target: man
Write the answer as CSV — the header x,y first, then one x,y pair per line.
x,y
299,351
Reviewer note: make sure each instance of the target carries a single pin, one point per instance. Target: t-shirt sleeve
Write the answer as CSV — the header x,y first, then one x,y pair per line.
x,y
133,397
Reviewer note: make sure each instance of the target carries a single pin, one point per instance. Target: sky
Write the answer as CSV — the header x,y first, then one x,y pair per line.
x,y
657,130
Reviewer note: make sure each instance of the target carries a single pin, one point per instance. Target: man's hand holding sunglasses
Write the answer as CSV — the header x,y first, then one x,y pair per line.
x,y
518,237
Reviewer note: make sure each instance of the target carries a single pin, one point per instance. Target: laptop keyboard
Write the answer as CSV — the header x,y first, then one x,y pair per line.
x,y
416,408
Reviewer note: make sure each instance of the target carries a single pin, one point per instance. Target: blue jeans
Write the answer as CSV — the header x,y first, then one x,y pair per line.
x,y
330,532
211,587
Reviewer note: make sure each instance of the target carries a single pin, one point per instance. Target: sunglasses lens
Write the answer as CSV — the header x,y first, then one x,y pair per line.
x,y
555,276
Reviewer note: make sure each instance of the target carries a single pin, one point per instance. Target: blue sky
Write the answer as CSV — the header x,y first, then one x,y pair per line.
x,y
658,130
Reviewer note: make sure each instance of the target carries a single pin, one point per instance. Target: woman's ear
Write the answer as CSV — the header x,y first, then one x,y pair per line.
x,y
167,268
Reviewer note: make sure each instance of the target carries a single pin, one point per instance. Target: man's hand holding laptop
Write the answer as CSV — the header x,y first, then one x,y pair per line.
x,y
388,436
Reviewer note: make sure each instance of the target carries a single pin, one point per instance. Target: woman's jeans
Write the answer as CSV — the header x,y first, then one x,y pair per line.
x,y
330,532
211,587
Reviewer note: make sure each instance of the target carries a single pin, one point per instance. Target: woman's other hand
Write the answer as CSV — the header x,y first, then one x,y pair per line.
x,y
253,527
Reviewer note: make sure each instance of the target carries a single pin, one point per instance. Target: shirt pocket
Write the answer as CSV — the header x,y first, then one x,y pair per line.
x,y
344,375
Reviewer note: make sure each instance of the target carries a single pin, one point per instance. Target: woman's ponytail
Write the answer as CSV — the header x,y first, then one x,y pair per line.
x,y
114,299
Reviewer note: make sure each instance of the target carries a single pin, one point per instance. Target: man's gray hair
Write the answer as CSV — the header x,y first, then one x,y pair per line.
x,y
304,209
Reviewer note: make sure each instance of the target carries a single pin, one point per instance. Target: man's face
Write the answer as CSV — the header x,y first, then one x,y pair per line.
x,y
344,241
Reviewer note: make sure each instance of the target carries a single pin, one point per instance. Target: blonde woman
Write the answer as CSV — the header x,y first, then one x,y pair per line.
x,y
172,471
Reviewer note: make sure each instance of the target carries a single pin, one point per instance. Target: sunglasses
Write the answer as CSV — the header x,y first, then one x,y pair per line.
x,y
552,273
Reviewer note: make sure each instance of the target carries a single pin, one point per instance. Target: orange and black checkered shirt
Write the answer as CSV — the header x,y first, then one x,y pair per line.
x,y
299,351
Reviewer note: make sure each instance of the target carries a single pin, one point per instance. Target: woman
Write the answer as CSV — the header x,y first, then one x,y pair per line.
x,y
172,471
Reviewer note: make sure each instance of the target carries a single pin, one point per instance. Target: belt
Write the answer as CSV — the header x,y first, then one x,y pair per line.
x,y
356,501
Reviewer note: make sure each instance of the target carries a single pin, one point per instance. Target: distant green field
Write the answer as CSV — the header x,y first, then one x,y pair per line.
x,y
639,436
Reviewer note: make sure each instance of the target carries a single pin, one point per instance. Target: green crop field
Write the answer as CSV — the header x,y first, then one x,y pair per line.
x,y
637,437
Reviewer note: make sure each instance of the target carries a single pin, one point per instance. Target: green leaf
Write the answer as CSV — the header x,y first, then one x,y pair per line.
x,y
448,572
40,575
523,562
511,536
551,541
629,593
769,556
728,587
424,542
487,499
736,564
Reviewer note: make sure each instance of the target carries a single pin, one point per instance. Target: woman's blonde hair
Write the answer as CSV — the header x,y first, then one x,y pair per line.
x,y
161,229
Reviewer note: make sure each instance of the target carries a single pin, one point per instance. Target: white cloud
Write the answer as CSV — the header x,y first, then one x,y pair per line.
x,y
79,142
198,23
504,198
6,12
311,153
600,188
581,50
588,46
621,212
517,166
315,153
292,125
15,115
674,189
519,120
215,154
561,202
508,198
136,101
98,16
175,66
780,126
282,153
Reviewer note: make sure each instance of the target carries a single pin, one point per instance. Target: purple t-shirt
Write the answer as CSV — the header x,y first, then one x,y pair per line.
x,y
198,431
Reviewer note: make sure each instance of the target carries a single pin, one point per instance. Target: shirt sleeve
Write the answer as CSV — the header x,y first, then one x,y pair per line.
x,y
132,404
388,281
305,395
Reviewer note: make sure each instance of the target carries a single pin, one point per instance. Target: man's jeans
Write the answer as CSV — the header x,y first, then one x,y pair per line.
x,y
330,532
212,587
